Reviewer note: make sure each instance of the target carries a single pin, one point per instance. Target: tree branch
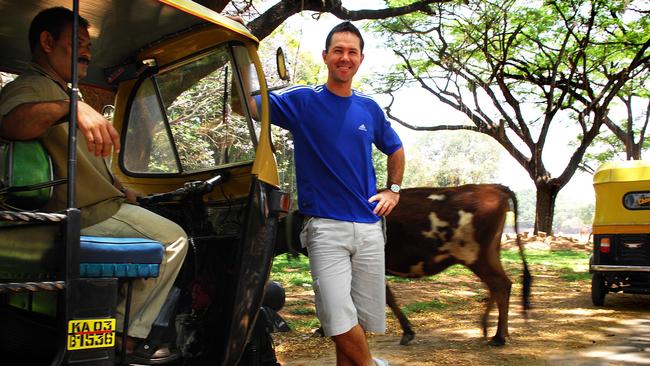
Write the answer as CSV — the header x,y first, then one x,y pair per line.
x,y
263,25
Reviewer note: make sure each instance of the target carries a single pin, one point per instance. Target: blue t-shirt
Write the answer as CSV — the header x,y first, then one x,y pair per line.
x,y
333,139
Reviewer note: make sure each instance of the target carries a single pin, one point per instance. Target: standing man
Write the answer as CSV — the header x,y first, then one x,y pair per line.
x,y
334,128
35,106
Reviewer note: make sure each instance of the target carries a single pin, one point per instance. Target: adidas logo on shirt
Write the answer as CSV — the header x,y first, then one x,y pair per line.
x,y
362,127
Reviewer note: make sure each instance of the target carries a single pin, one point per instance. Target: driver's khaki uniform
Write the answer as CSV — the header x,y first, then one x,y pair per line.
x,y
104,211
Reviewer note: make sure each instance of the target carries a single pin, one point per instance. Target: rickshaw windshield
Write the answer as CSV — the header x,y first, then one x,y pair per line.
x,y
181,120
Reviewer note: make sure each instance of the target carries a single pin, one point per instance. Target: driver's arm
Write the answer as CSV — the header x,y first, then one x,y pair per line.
x,y
31,120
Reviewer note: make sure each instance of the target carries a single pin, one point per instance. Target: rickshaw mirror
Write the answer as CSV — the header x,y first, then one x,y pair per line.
x,y
281,64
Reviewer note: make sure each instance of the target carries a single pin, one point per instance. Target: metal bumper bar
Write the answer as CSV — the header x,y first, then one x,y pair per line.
x,y
614,268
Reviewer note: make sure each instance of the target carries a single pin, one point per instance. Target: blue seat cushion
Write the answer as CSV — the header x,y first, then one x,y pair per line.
x,y
119,257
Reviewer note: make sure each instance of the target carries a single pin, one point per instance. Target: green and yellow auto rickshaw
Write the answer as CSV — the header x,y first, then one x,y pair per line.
x,y
169,72
621,257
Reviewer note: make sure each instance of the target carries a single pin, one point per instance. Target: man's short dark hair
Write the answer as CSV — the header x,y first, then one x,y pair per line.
x,y
52,20
343,27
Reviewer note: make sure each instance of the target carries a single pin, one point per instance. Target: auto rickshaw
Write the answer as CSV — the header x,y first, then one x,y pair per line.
x,y
171,71
621,256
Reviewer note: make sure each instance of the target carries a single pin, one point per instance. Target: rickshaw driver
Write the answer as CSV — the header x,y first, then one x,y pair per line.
x,y
33,107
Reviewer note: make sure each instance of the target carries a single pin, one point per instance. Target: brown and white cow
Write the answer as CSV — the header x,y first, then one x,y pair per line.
x,y
434,228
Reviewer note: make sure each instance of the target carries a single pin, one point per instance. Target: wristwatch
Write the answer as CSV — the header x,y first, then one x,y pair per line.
x,y
395,188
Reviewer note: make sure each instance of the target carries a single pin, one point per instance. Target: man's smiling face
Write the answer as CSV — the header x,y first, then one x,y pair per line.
x,y
343,57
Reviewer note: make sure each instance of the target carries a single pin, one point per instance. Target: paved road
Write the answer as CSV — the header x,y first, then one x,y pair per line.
x,y
630,345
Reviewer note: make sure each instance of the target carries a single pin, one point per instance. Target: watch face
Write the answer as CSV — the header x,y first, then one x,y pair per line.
x,y
395,188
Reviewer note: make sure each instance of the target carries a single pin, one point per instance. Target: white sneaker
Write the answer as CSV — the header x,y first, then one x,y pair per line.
x,y
380,361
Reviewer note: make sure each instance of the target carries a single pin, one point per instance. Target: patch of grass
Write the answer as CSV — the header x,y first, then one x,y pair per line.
x,y
286,261
555,259
391,278
291,271
570,275
454,271
303,310
303,324
298,303
571,263
420,307
302,281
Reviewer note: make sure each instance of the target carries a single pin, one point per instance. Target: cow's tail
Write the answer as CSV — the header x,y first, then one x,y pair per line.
x,y
527,278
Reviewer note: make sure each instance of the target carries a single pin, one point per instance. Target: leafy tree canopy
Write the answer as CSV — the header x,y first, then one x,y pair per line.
x,y
518,69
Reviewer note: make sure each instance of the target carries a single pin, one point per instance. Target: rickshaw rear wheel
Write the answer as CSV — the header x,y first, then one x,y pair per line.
x,y
598,289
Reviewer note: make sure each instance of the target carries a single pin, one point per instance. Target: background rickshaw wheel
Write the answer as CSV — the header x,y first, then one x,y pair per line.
x,y
598,289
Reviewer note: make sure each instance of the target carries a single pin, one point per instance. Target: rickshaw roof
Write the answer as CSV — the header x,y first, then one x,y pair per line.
x,y
118,28
623,171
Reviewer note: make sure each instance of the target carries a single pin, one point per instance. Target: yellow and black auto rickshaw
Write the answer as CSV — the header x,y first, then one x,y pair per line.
x,y
621,258
171,72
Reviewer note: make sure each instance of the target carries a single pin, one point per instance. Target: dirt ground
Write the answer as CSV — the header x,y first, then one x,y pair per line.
x,y
564,328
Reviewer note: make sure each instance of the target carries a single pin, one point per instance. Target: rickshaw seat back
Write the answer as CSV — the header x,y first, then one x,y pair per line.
x,y
622,197
41,255
27,163
24,164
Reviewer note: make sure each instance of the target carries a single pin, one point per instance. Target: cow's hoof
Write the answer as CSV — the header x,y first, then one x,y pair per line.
x,y
407,338
497,341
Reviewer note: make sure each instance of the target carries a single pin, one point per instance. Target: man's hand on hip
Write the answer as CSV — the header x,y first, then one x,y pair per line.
x,y
386,202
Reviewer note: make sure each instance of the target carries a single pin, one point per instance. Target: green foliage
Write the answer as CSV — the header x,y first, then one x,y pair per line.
x,y
379,160
526,207
607,147
197,98
443,159
569,217
303,70
517,69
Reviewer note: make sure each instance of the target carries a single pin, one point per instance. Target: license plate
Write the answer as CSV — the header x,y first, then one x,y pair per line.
x,y
91,333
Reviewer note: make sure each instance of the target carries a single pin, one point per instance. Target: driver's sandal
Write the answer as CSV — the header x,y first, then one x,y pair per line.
x,y
147,354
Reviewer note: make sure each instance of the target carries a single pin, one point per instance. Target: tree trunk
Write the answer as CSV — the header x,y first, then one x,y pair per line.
x,y
545,207
633,150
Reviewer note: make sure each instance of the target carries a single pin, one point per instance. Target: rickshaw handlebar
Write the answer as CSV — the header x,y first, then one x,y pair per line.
x,y
189,189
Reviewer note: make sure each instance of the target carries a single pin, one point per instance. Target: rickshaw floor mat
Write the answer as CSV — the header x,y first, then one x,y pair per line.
x,y
28,337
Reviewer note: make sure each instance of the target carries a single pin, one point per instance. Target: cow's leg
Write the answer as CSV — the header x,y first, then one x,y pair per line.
x,y
486,314
499,286
407,330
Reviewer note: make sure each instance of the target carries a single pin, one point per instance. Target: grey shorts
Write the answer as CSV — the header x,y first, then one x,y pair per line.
x,y
347,268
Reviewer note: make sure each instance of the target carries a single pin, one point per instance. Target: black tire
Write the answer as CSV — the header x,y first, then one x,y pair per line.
x,y
598,289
